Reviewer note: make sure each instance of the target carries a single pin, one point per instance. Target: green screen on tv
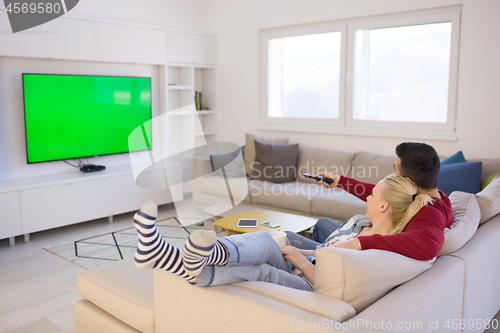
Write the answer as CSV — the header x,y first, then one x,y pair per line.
x,y
77,116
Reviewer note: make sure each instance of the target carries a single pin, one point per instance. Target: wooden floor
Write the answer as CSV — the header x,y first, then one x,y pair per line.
x,y
37,288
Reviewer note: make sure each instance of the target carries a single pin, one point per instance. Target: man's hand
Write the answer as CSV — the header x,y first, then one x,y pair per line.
x,y
352,244
330,175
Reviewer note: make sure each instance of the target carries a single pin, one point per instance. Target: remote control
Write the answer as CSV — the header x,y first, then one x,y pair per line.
x,y
310,175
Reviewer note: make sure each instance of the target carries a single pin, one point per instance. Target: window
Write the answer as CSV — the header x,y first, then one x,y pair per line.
x,y
304,76
390,76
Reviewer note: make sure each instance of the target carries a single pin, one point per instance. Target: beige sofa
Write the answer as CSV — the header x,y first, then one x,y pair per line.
x,y
304,196
457,292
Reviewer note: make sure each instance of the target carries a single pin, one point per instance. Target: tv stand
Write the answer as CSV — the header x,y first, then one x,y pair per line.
x,y
91,168
28,204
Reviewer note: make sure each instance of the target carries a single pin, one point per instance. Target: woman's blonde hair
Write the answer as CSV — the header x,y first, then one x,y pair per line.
x,y
401,194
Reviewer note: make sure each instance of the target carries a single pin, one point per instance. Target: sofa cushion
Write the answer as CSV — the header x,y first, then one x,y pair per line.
x,y
481,258
455,158
315,160
232,163
250,148
485,182
216,186
489,200
123,291
372,168
362,277
465,177
490,166
339,204
313,302
275,162
466,215
294,196
91,318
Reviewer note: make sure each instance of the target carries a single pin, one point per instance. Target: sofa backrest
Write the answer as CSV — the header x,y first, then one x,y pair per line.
x,y
490,166
363,165
315,160
372,168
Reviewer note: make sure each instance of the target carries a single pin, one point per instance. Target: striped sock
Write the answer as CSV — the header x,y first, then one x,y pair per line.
x,y
201,249
153,251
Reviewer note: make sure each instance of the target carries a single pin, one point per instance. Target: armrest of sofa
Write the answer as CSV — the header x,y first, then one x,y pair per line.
x,y
422,304
245,307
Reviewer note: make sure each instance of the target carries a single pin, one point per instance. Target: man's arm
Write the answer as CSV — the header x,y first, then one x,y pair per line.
x,y
356,187
422,239
353,186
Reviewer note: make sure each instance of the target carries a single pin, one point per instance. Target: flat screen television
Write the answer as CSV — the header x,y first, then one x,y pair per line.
x,y
78,116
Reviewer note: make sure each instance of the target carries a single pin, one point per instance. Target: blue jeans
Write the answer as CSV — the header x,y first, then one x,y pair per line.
x,y
253,256
322,229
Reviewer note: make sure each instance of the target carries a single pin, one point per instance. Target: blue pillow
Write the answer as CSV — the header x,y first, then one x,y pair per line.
x,y
465,177
455,158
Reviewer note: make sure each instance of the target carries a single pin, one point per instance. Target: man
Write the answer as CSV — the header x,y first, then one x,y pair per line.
x,y
423,237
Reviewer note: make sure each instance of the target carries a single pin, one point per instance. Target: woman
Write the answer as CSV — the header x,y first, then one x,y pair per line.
x,y
208,261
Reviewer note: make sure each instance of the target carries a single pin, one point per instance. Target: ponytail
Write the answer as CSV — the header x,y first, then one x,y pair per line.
x,y
400,193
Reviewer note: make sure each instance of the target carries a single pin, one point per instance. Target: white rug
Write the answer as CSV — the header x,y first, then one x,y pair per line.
x,y
101,249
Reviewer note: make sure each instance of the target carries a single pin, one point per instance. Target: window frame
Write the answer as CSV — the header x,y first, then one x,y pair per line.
x,y
346,124
449,126
310,29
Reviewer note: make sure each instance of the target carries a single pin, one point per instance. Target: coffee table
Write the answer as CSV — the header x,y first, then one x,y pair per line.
x,y
287,222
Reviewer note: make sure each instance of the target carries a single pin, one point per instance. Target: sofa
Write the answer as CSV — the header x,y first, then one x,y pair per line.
x,y
301,196
355,291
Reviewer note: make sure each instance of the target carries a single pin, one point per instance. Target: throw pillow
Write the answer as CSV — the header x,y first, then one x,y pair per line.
x,y
233,164
250,148
465,177
362,277
275,162
489,200
455,158
466,215
243,151
488,180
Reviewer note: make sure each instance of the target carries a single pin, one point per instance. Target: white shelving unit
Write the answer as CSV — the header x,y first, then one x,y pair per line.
x,y
186,127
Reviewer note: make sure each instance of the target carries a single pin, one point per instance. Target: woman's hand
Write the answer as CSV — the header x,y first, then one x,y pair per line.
x,y
330,175
293,255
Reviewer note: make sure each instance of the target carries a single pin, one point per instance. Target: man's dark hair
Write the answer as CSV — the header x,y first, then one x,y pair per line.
x,y
419,162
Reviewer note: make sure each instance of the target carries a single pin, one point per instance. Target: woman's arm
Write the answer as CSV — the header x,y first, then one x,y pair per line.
x,y
297,259
307,253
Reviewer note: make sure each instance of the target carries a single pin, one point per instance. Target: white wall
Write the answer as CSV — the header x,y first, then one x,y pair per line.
x,y
189,15
236,24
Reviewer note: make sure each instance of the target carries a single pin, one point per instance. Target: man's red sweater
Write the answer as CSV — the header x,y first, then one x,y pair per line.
x,y
423,237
